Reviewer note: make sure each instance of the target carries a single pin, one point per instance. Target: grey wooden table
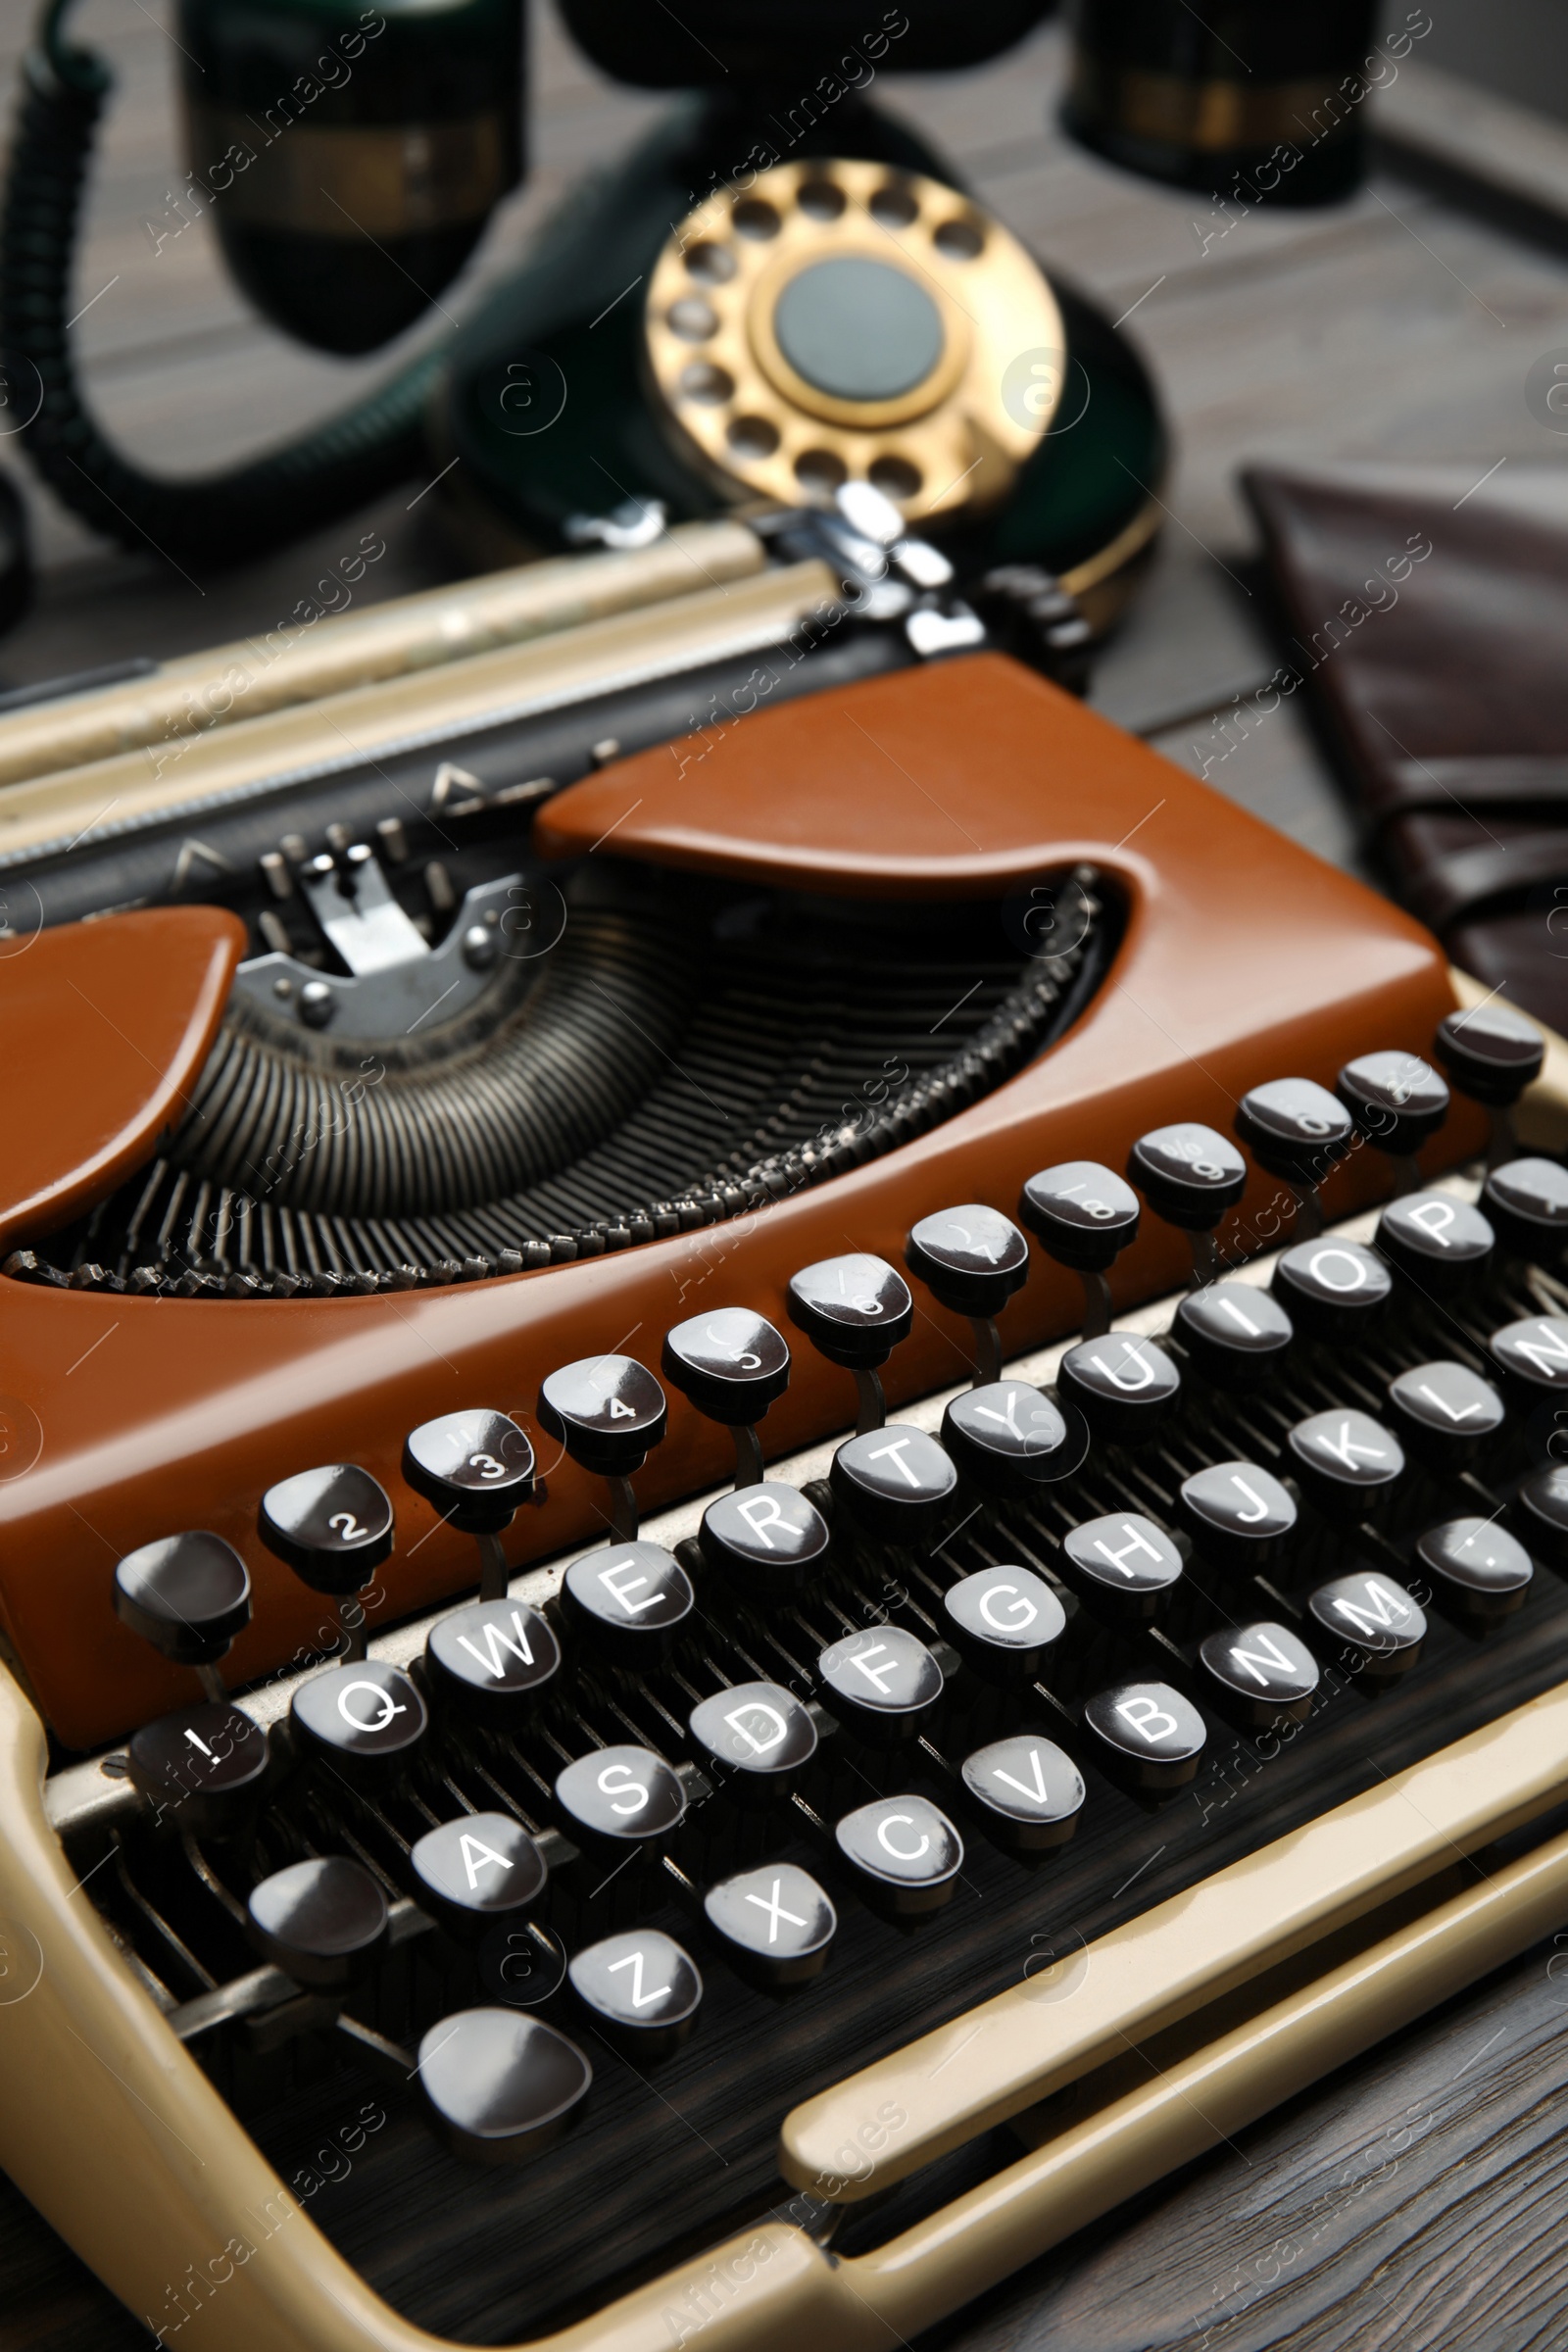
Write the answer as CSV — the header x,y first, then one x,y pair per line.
x,y
1418,2198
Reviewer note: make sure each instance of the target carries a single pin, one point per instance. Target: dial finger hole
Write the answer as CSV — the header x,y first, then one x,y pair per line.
x,y
708,384
715,264
894,206
820,200
755,219
959,240
894,477
692,319
820,472
753,437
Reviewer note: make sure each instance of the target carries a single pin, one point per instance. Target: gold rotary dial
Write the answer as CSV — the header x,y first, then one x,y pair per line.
x,y
841,321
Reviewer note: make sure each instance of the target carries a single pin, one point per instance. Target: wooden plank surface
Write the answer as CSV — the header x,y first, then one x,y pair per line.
x,y
1418,2198
1414,2201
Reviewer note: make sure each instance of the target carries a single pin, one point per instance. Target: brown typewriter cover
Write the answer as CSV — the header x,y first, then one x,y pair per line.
x,y
1240,958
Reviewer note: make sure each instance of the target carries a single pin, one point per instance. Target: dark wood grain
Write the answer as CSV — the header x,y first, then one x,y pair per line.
x,y
1414,2199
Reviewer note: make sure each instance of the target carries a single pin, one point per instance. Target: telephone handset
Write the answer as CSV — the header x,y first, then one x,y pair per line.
x,y
781,289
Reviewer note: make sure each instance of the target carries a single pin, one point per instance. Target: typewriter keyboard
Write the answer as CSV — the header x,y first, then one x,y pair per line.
x,y
624,1857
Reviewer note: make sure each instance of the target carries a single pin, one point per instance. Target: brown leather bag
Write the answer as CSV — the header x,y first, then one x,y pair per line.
x,y
1432,625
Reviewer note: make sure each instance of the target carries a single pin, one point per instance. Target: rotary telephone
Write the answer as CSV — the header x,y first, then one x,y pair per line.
x,y
782,289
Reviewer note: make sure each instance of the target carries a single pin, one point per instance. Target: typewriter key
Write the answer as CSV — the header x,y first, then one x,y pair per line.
x,y
1377,1626
1236,1334
854,1310
1025,1793
904,1854
893,1481
971,1259
1004,1619
883,1683
774,1924
757,1738
201,1768
1439,1244
475,1468
1532,1356
1238,1514
1121,1566
764,1539
322,1922
1398,1103
1446,1413
1526,1203
333,1527
732,1366
767,1539
364,1718
620,1798
476,1871
640,1991
1257,1676
610,1412
1189,1176
499,2088
1345,1460
1331,1289
1297,1130
1491,1051
188,1596
1123,1384
489,1662
1541,1514
628,1599
1010,1440
1084,1216
1479,1571
1146,1735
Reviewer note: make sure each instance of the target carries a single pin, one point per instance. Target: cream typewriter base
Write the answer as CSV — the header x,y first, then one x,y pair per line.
x,y
1175,2030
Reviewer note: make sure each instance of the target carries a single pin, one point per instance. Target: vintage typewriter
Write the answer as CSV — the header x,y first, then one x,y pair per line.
x,y
783,1498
